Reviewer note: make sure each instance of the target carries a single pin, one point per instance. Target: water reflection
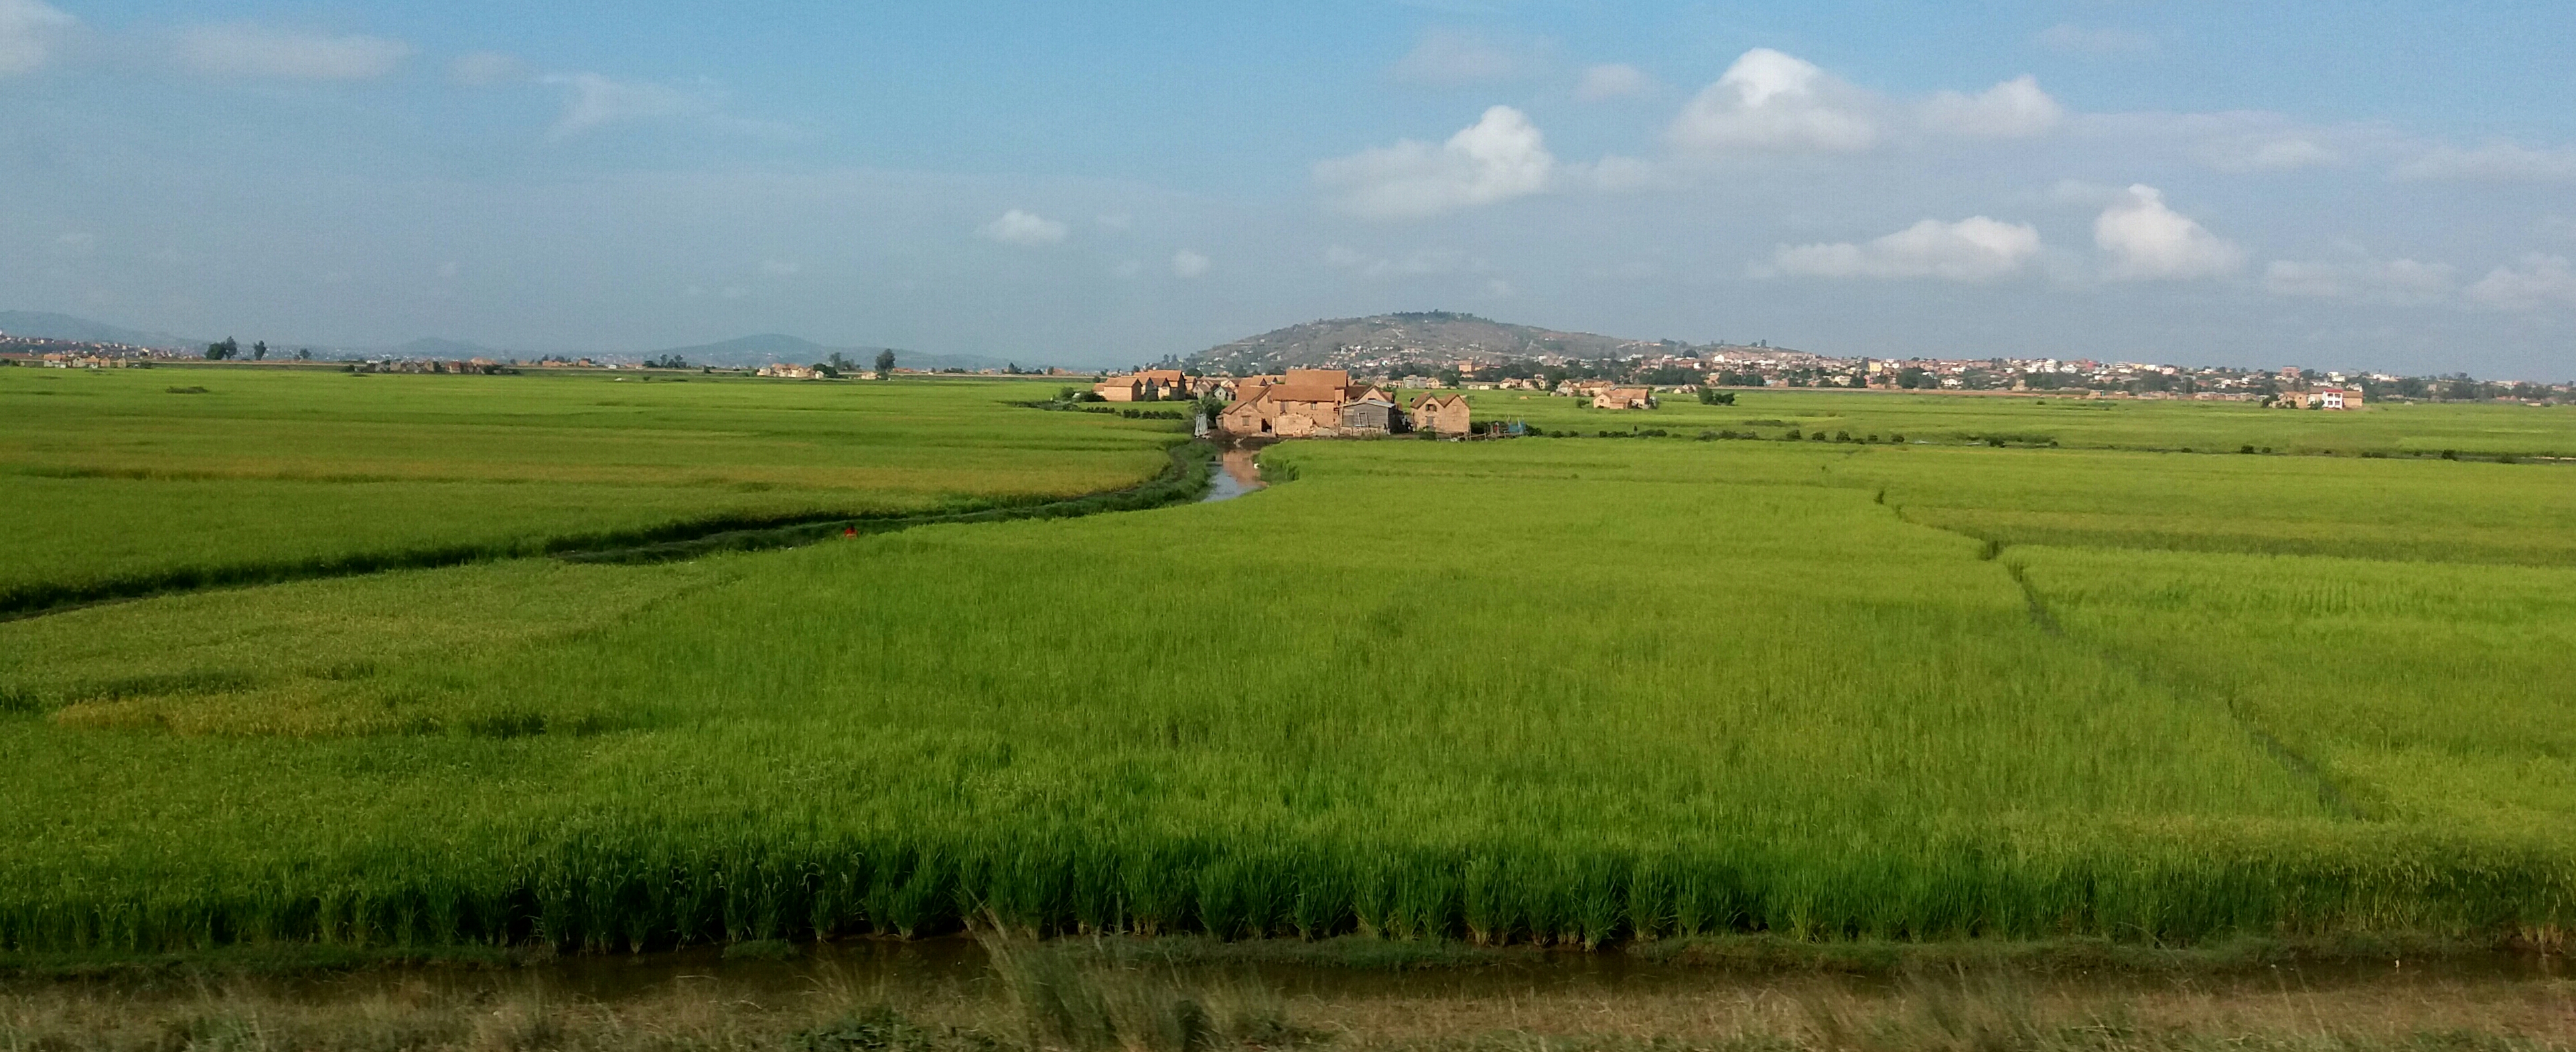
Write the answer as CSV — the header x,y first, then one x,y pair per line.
x,y
1236,474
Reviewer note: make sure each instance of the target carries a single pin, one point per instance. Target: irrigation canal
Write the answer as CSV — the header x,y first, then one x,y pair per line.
x,y
1232,474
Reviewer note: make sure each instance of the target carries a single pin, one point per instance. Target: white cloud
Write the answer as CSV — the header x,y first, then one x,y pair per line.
x,y
2148,241
1615,80
2265,153
1016,227
2500,161
1188,264
1972,249
482,69
2068,38
241,50
27,32
2365,280
2014,109
2541,280
1500,157
597,100
1771,102
779,268
1450,59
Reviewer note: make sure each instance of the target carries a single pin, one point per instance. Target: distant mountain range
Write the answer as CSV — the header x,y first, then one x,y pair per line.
x,y
748,350
433,347
45,325
1427,337
779,347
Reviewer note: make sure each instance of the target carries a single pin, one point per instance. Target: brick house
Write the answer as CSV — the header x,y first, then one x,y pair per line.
x,y
1309,403
1624,398
1441,414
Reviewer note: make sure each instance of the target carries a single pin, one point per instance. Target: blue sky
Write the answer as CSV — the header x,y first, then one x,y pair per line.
x,y
2369,185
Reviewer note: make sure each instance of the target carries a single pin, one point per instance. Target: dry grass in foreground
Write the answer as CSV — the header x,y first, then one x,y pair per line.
x,y
1048,998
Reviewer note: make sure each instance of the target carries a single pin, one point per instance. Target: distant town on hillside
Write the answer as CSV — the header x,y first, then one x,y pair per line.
x,y
1434,349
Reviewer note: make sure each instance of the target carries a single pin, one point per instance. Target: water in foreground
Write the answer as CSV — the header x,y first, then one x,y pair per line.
x,y
954,993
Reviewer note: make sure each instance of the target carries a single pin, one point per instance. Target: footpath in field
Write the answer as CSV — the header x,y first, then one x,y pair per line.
x,y
1563,691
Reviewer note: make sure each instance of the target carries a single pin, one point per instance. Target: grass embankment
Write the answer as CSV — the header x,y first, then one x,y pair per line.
x,y
1579,693
1077,997
117,486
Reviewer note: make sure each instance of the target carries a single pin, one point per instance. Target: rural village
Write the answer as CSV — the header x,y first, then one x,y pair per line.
x,y
1332,403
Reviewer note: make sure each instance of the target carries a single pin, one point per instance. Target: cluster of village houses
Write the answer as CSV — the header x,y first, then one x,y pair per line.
x,y
1299,403
1325,403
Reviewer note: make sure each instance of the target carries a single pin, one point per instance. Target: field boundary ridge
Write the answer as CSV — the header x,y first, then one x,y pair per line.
x,y
1180,480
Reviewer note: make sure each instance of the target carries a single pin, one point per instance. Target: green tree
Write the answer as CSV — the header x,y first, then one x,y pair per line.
x,y
225,351
259,351
1713,396
885,363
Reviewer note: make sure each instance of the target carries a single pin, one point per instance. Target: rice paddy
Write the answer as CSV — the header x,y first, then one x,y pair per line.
x,y
119,483
1565,692
2069,421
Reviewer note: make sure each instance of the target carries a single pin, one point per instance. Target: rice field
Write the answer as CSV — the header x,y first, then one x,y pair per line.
x,y
133,480
1571,692
2391,429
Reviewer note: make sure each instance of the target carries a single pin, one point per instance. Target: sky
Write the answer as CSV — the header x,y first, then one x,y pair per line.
x,y
2371,185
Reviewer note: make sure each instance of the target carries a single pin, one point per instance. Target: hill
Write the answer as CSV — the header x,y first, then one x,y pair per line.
x,y
767,347
1416,336
50,326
